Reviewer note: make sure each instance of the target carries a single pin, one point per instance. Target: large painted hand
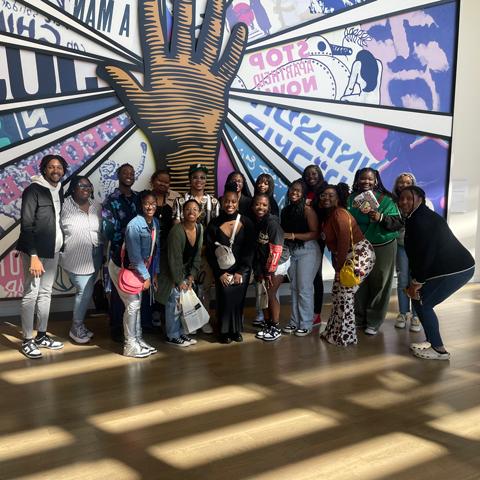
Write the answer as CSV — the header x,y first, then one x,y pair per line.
x,y
182,104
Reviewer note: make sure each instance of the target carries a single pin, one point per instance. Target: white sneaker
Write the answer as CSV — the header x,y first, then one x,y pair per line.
x,y
401,321
178,342
87,332
135,350
371,331
30,350
431,354
420,346
207,328
189,340
78,336
415,325
146,345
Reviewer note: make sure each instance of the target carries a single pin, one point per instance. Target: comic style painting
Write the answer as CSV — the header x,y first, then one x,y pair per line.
x,y
255,85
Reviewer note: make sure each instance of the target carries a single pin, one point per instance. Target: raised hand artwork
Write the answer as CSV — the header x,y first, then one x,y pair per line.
x,y
182,104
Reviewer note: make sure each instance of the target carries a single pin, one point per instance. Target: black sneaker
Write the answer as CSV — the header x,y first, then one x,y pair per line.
x,y
272,334
290,328
48,342
30,350
259,322
178,342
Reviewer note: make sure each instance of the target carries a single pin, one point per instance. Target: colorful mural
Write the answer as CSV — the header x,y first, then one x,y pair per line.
x,y
256,85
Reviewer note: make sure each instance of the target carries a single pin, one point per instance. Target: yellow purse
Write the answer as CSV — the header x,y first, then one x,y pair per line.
x,y
348,277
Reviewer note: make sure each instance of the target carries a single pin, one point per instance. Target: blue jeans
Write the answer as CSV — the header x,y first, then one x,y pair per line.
x,y
304,264
434,292
403,280
173,324
84,285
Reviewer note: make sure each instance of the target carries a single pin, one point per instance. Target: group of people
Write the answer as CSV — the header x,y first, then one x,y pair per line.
x,y
171,243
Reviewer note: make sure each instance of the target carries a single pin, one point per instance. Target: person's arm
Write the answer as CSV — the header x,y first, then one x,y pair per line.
x,y
132,245
341,227
388,216
27,220
210,239
275,247
109,221
176,244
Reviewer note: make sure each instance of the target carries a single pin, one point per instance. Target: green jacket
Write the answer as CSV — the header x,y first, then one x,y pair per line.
x,y
384,231
175,271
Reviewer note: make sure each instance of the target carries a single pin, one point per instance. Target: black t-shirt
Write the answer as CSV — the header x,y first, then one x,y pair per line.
x,y
269,232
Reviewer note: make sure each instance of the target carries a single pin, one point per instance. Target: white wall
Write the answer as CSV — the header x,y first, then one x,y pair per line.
x,y
465,164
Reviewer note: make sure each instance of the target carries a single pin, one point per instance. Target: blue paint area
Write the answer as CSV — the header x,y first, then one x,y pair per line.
x,y
255,165
442,32
27,124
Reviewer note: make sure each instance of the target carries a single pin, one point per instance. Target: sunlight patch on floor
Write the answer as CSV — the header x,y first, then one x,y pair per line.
x,y
175,408
378,458
67,368
336,373
463,424
33,441
203,448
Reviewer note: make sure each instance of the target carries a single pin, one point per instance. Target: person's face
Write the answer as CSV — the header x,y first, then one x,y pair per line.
x,y
198,180
161,183
238,179
408,201
260,207
404,181
311,177
262,186
328,198
126,176
149,206
398,43
83,190
367,181
295,193
230,202
54,171
191,212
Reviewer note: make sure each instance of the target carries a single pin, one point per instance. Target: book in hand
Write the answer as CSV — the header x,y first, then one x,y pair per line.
x,y
366,202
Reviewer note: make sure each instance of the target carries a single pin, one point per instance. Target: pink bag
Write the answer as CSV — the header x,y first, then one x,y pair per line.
x,y
129,281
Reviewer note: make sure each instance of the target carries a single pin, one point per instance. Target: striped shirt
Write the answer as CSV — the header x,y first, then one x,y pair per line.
x,y
82,235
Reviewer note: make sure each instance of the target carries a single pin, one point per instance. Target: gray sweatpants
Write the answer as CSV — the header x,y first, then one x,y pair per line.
x,y
37,294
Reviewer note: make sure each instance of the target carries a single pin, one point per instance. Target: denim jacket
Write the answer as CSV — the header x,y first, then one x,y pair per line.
x,y
138,243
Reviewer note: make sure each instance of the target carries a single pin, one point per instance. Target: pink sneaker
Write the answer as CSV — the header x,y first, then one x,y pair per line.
x,y
317,321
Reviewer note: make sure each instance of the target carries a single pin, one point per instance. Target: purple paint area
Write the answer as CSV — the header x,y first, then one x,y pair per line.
x,y
224,167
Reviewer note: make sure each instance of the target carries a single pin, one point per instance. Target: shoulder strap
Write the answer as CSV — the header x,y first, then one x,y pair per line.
x,y
351,238
232,238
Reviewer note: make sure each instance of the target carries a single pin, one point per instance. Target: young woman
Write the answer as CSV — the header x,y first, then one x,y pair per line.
x,y
315,183
300,224
380,225
340,231
231,283
81,221
244,198
272,260
439,264
407,313
265,184
184,259
139,256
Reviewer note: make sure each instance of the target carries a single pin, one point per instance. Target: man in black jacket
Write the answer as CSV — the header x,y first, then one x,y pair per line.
x,y
40,242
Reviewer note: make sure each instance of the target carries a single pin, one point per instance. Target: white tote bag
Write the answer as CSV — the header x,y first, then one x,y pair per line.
x,y
194,314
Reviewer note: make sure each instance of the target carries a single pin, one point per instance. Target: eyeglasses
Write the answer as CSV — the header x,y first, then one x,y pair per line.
x,y
83,186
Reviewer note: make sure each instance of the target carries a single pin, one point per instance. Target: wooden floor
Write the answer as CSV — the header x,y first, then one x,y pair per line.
x,y
294,409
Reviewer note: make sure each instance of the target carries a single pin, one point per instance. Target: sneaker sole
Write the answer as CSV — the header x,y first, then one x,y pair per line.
x,y
138,355
302,334
418,354
185,345
415,329
271,339
50,348
32,357
79,339
400,327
